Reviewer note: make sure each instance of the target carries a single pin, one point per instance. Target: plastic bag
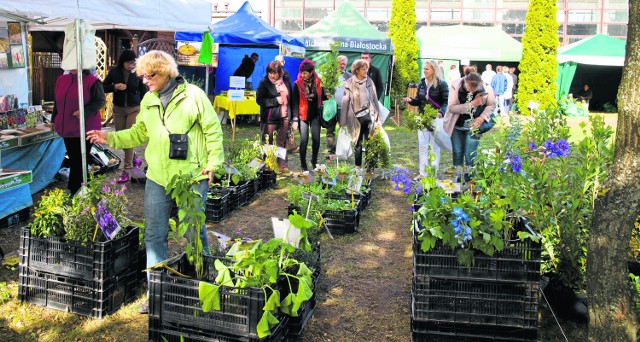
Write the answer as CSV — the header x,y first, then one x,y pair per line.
x,y
330,109
384,112
385,137
441,137
343,145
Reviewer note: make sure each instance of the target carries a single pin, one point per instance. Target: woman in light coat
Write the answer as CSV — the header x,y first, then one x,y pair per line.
x,y
359,99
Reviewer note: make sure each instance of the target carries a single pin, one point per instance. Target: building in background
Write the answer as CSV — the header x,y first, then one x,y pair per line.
x,y
578,19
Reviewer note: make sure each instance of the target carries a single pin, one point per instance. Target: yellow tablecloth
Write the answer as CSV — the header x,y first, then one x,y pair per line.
x,y
246,107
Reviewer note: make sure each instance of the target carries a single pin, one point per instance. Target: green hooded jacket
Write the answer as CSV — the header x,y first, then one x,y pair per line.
x,y
188,105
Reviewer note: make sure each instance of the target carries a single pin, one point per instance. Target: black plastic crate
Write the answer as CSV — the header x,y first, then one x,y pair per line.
x,y
296,325
489,303
268,179
167,332
518,261
96,261
216,209
342,221
21,216
358,200
104,167
428,331
175,300
83,297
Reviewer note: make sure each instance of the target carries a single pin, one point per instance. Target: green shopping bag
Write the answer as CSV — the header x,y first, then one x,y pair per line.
x,y
330,109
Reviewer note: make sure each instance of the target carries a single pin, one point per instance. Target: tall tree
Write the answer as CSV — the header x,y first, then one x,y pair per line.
x,y
402,28
612,314
539,64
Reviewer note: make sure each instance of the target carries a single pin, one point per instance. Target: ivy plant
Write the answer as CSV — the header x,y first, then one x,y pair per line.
x,y
258,264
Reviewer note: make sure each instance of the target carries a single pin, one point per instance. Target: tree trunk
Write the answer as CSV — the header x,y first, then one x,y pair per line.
x,y
612,313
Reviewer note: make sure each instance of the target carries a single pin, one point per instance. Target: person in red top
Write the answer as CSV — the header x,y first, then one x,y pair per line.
x,y
306,107
66,118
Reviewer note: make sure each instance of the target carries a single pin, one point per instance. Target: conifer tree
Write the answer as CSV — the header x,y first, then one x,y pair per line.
x,y
402,31
539,64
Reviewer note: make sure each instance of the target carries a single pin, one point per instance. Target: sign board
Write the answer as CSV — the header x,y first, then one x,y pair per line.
x,y
236,82
235,94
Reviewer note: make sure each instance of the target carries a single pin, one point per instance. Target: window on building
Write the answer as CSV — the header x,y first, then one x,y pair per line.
x,y
513,29
582,29
288,13
616,30
616,16
289,25
478,15
379,14
444,14
315,13
583,15
514,15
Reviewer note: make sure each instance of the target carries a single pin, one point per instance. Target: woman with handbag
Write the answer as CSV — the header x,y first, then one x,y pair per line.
x,y
470,106
306,106
274,98
182,135
360,111
433,91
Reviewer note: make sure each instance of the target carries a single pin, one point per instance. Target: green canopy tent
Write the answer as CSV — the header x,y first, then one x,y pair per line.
x,y
473,43
355,33
476,44
596,61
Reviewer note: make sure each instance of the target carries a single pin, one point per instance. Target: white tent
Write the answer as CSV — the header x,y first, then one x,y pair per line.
x,y
152,15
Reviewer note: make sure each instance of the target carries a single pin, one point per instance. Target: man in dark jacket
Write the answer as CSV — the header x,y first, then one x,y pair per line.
x,y
246,67
374,74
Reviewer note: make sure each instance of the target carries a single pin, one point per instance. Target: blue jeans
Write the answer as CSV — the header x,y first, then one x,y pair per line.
x,y
463,146
157,209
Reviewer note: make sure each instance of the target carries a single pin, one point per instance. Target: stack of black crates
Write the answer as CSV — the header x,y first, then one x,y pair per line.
x,y
223,200
494,300
91,280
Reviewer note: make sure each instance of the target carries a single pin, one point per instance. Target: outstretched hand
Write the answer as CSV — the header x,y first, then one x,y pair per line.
x,y
99,137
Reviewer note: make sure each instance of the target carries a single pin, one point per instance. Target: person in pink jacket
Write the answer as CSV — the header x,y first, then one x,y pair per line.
x,y
470,104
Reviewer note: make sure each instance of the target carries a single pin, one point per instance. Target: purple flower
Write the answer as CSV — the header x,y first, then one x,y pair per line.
x,y
515,161
532,146
105,189
113,182
562,148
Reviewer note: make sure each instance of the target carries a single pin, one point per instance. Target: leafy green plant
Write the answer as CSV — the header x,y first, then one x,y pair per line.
x,y
635,281
329,72
183,190
420,121
257,264
377,152
5,293
48,214
79,221
294,196
465,224
59,215
338,204
610,108
538,174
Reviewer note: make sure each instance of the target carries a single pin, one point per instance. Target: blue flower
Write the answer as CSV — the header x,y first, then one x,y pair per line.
x,y
442,199
532,146
457,211
457,230
562,148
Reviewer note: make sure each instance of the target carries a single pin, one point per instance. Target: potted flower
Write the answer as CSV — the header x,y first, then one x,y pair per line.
x,y
87,243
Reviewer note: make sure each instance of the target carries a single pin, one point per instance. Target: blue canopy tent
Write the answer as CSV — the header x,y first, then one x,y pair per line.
x,y
244,33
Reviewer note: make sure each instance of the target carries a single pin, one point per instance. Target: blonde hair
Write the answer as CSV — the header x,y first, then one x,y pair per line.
x,y
437,75
358,64
157,62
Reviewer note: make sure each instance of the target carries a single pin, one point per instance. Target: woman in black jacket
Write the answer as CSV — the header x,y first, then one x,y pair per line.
x,y
432,91
274,98
128,90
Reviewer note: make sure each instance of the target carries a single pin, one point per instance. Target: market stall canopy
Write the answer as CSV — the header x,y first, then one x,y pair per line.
x,y
149,15
347,26
243,27
462,42
597,50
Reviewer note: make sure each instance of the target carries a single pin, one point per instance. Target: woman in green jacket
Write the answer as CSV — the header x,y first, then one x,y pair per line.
x,y
172,106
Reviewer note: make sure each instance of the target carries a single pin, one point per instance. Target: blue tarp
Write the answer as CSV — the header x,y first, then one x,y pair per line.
x,y
43,159
243,27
